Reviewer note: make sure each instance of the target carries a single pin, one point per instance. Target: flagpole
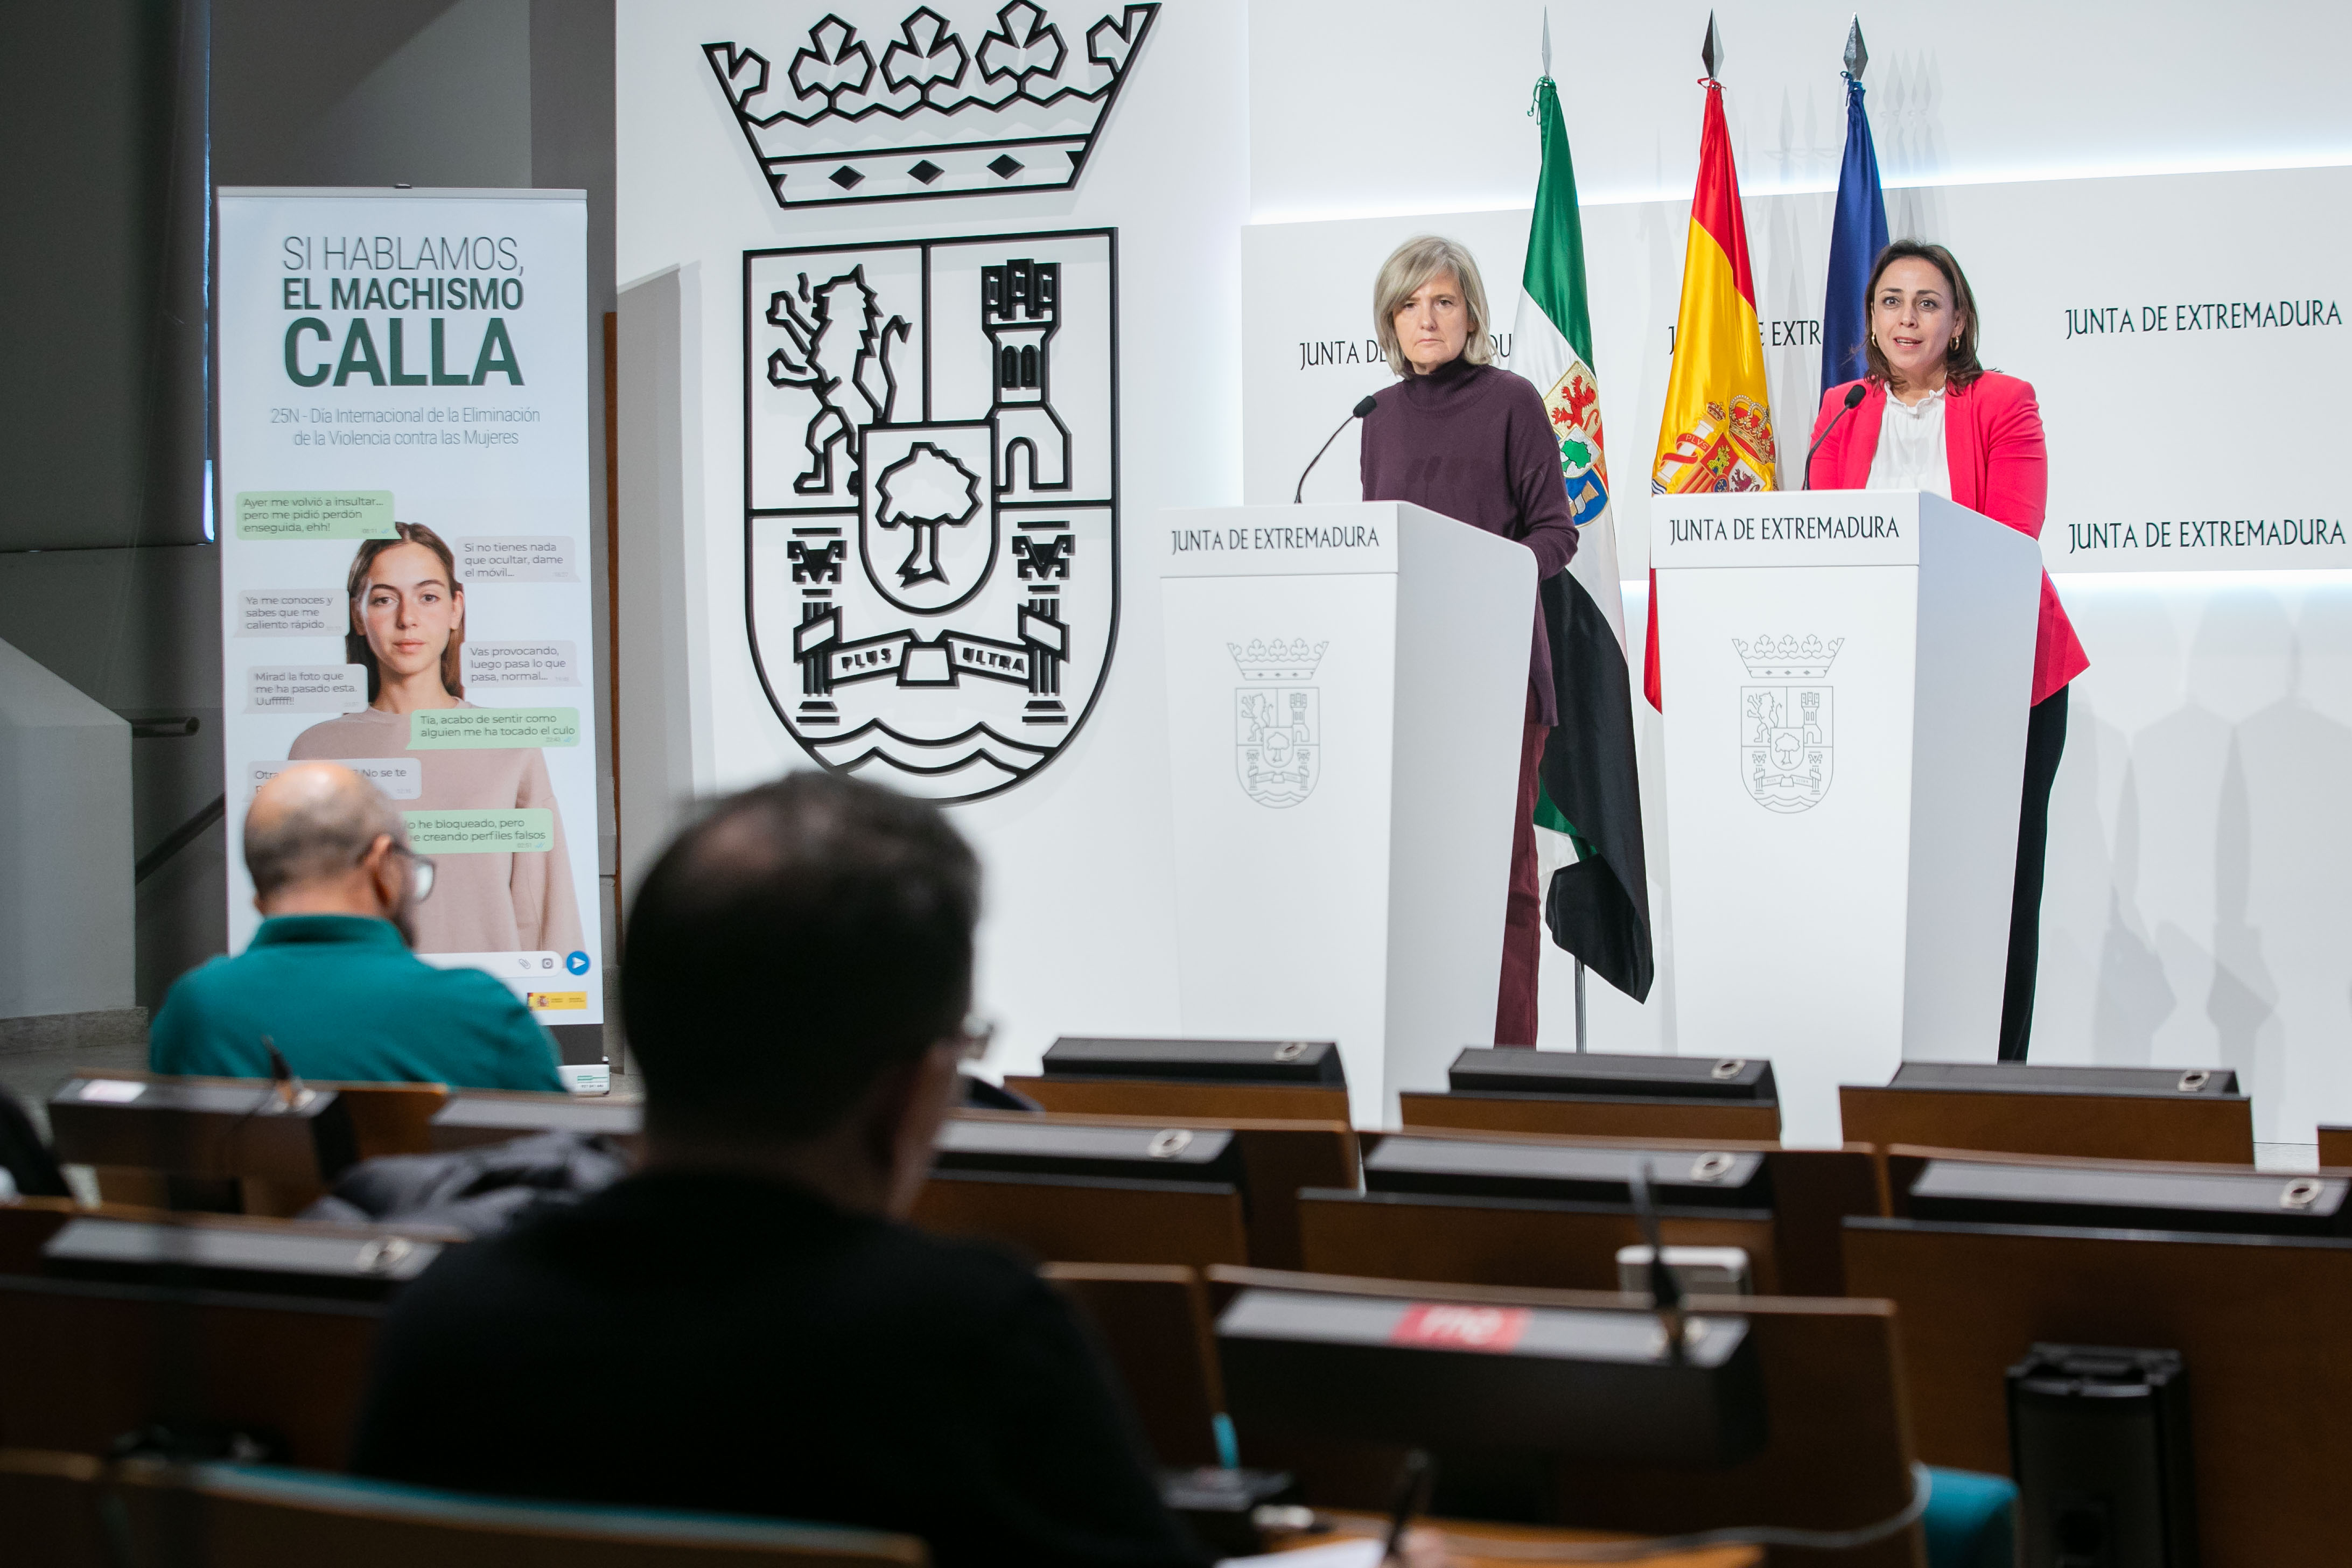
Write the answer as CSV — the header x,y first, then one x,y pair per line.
x,y
1579,1003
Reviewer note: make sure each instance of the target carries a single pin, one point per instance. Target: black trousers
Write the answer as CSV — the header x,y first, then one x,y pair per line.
x,y
2045,739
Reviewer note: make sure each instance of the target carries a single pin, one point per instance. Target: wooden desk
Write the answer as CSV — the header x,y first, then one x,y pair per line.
x,y
1463,1536
200,1143
1596,1116
1837,1456
2216,1129
2270,1372
1171,1099
1278,1158
1813,1190
1154,1324
1088,1219
1899,1165
89,1362
2335,1147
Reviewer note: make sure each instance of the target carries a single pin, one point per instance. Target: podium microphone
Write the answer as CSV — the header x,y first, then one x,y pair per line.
x,y
1363,406
1854,396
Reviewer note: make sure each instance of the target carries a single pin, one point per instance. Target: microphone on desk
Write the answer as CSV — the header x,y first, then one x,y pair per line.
x,y
1364,405
1854,396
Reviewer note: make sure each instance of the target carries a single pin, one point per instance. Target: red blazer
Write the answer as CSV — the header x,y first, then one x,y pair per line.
x,y
1992,443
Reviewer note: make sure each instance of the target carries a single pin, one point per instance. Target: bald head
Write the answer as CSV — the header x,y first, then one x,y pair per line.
x,y
310,828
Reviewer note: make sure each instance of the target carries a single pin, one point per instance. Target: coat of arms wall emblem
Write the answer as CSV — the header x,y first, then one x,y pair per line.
x,y
1787,721
1277,721
931,500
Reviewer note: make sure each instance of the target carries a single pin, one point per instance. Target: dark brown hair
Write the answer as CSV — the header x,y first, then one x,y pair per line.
x,y
355,643
1961,365
790,948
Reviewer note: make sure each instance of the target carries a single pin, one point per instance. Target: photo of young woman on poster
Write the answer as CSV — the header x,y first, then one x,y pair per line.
x,y
408,628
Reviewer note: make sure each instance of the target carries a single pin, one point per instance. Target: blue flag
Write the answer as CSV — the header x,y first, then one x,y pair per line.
x,y
1855,240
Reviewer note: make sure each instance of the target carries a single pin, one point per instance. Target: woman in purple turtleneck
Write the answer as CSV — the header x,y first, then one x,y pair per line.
x,y
1467,440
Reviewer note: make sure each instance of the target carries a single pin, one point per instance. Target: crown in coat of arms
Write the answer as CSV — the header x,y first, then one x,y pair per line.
x,y
1789,658
934,116
1277,660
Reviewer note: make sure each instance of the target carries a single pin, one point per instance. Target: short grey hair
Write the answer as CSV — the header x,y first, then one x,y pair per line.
x,y
1414,263
314,821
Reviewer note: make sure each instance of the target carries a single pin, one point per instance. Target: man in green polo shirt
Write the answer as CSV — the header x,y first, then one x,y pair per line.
x,y
328,979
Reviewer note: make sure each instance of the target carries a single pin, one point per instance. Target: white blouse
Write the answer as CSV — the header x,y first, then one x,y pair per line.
x,y
1910,454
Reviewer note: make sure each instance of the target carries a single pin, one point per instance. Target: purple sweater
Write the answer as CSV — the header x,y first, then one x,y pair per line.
x,y
1471,442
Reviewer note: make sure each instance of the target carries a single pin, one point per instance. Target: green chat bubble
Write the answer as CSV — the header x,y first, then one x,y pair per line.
x,y
513,832
469,729
314,514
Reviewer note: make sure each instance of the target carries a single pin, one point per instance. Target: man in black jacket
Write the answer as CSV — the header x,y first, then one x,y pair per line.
x,y
746,1325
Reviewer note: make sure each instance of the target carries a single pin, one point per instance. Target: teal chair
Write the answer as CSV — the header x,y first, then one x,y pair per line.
x,y
64,1510
1972,1519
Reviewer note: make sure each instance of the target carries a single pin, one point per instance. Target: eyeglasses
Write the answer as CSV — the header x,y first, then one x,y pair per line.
x,y
974,1037
420,870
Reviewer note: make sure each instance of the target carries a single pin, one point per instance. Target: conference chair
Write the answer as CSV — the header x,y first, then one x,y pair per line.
x,y
1836,1452
70,1510
2111,1113
2269,1373
1153,1322
1793,1244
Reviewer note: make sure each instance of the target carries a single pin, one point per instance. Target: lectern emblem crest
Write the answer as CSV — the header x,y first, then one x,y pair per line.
x,y
1277,721
1788,728
931,500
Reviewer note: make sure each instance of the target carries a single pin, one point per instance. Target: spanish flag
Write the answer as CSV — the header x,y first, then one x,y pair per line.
x,y
1717,430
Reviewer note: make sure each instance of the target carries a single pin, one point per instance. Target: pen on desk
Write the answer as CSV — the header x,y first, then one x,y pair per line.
x,y
1412,1497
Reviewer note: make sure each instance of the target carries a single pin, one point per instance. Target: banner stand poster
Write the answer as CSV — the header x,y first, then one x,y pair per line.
x,y
404,502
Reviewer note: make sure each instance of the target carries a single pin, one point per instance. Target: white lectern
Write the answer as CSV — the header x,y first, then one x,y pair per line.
x,y
1346,692
1845,676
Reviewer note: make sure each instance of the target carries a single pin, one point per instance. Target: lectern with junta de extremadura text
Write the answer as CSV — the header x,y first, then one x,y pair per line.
x,y
1345,691
1845,675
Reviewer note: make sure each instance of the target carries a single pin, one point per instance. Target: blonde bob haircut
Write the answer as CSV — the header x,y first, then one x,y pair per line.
x,y
1410,266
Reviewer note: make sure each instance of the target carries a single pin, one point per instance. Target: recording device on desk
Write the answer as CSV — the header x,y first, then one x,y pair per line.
x,y
1309,1062
2098,1441
1484,1070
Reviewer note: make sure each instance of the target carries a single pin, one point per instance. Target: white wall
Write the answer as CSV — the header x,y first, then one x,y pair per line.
x,y
65,847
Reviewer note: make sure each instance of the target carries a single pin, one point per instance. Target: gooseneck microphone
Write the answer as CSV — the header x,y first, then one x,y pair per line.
x,y
1854,396
1363,406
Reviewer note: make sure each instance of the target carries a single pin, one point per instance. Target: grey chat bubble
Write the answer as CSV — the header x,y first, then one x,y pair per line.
x,y
288,612
516,558
400,778
306,689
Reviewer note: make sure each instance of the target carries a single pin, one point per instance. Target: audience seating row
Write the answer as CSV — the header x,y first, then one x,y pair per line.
x,y
2268,1383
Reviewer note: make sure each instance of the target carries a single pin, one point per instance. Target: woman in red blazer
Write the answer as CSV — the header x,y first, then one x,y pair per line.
x,y
1932,418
